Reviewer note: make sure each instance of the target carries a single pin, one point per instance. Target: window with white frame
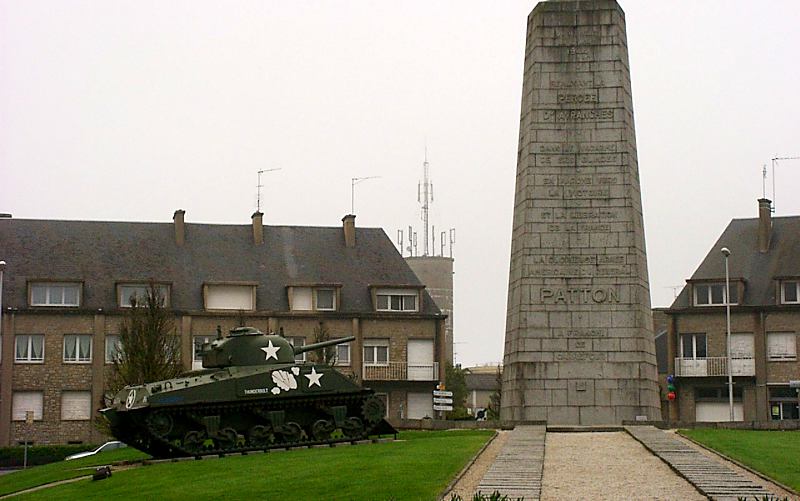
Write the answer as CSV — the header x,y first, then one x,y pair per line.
x,y
376,352
302,299
55,294
197,348
77,348
325,299
76,405
24,401
230,297
128,293
714,294
113,348
781,346
29,348
693,346
790,292
298,341
396,300
343,354
313,299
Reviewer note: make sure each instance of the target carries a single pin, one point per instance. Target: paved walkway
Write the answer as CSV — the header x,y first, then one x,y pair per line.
x,y
710,477
627,470
517,470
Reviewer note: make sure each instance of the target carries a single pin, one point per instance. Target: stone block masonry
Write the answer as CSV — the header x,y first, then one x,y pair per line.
x,y
579,344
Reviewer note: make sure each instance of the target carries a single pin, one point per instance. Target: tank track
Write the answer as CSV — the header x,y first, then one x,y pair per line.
x,y
154,430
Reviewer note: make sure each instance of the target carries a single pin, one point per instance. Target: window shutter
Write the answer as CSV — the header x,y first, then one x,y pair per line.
x,y
23,401
76,405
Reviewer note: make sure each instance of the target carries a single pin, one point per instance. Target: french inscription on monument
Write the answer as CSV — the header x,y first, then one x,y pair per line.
x,y
578,284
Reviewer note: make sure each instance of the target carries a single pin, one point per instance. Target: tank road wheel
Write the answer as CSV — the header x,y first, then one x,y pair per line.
x,y
193,441
373,409
226,438
259,436
322,429
352,427
291,432
159,423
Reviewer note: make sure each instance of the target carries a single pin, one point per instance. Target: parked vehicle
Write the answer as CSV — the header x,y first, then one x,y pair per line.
x,y
108,446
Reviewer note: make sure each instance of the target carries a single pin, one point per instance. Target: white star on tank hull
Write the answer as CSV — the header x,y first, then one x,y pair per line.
x,y
313,378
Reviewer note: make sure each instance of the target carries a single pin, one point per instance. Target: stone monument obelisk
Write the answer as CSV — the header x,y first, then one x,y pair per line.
x,y
579,345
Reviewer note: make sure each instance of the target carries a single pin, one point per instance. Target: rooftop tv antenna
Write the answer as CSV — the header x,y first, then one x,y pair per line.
x,y
353,182
425,197
774,163
259,186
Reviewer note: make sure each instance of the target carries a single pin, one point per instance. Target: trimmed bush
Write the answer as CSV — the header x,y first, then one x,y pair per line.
x,y
12,457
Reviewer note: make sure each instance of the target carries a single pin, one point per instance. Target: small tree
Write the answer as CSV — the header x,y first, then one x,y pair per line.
x,y
149,349
494,398
456,381
327,355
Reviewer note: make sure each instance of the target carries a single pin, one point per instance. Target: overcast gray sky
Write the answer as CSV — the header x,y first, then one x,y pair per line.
x,y
129,110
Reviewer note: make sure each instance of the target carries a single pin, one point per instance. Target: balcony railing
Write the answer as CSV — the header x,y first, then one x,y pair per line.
x,y
401,371
714,366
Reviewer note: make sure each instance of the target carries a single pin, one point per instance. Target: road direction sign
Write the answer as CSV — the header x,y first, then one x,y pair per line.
x,y
442,393
443,407
442,400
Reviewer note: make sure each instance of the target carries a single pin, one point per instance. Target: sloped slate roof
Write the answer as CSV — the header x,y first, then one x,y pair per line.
x,y
103,253
481,381
758,270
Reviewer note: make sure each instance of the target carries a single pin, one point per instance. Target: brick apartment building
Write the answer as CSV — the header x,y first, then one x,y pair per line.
x,y
67,284
764,269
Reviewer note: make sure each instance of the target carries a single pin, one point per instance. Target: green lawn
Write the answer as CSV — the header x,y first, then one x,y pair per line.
x,y
38,475
416,467
773,453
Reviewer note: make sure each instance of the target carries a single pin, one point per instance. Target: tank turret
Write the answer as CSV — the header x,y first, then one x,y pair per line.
x,y
249,346
251,394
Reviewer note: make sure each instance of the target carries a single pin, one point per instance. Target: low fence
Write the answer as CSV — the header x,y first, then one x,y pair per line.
x,y
443,424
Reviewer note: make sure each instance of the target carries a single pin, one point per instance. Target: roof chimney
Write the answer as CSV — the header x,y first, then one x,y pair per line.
x,y
349,224
180,231
258,227
764,224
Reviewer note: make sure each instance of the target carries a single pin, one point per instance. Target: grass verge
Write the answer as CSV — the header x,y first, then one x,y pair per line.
x,y
776,454
63,470
416,467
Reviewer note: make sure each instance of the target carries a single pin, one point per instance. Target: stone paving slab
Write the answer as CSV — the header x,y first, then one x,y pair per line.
x,y
710,477
517,469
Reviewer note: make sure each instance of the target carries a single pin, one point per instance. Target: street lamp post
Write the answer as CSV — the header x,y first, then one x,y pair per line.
x,y
726,252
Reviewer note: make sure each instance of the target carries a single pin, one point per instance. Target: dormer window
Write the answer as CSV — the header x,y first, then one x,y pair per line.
x,y
63,294
313,298
406,300
230,296
790,292
127,293
713,294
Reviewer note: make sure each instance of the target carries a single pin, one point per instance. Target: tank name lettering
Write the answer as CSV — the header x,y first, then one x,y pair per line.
x,y
256,391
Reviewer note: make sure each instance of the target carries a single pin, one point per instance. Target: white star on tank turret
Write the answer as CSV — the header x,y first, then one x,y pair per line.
x,y
313,378
271,351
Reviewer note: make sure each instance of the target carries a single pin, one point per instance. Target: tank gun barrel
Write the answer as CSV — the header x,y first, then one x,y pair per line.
x,y
323,344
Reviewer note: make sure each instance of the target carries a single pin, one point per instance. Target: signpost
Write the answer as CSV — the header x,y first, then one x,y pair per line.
x,y
28,421
442,399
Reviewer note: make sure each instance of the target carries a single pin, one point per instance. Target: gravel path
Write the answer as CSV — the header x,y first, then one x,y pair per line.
x,y
608,466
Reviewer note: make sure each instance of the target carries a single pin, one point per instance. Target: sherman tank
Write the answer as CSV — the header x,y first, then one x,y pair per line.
x,y
250,395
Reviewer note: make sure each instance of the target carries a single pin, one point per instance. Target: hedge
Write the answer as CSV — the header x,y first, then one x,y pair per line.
x,y
12,457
